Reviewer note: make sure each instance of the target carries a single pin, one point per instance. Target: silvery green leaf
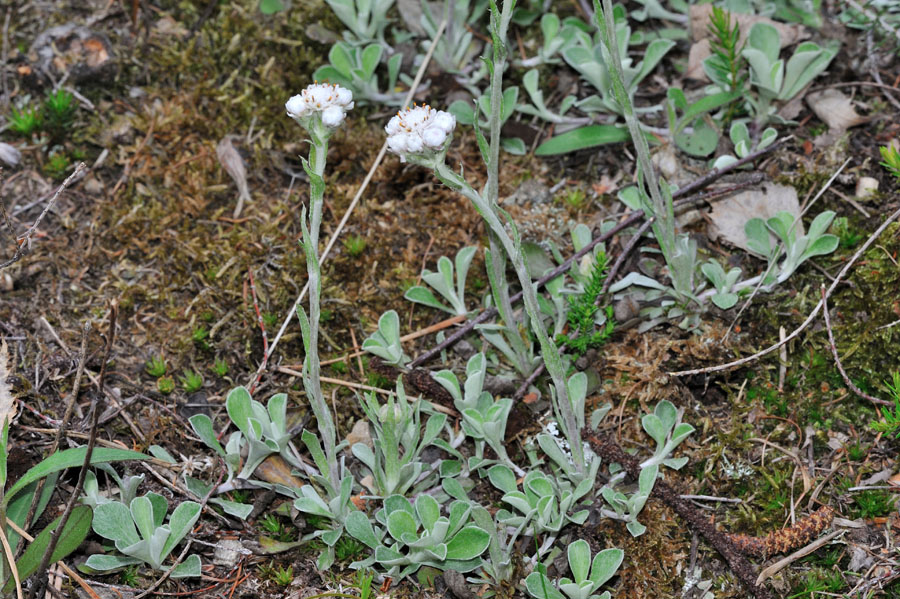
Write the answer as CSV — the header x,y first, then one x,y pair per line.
x,y
782,224
655,428
313,505
681,432
468,543
599,414
364,454
518,500
238,406
758,237
454,489
724,300
103,563
331,537
579,554
203,426
388,556
676,463
635,278
428,511
448,381
550,447
161,454
114,521
579,518
502,478
820,224
636,528
821,246
180,522
647,479
541,587
142,513
605,565
359,527
667,413
188,568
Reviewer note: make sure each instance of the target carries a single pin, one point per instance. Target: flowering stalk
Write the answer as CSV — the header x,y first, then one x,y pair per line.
x,y
512,246
319,109
499,25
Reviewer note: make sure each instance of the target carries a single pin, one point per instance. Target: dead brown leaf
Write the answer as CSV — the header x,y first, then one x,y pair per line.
x,y
835,109
729,216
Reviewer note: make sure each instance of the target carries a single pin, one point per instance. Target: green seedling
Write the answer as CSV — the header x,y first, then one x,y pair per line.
x,y
385,342
191,382
355,245
890,423
414,536
156,366
25,121
59,111
220,367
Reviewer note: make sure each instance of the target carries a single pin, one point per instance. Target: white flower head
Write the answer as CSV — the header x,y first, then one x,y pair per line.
x,y
332,101
419,130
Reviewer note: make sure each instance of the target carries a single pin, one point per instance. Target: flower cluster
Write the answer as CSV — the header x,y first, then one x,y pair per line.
x,y
419,129
333,101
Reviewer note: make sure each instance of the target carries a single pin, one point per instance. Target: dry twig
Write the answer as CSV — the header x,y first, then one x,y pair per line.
x,y
22,241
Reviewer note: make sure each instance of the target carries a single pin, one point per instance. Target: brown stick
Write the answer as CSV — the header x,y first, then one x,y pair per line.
x,y
743,570
22,242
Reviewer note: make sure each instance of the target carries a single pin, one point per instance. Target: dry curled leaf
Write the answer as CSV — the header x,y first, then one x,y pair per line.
x,y
729,216
234,166
834,109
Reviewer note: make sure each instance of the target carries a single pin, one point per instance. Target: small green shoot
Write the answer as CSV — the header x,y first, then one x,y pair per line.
x,y
278,574
270,320
890,423
363,583
59,111
220,367
873,504
891,161
276,529
165,385
26,122
191,381
156,366
725,67
355,245
129,576
348,548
